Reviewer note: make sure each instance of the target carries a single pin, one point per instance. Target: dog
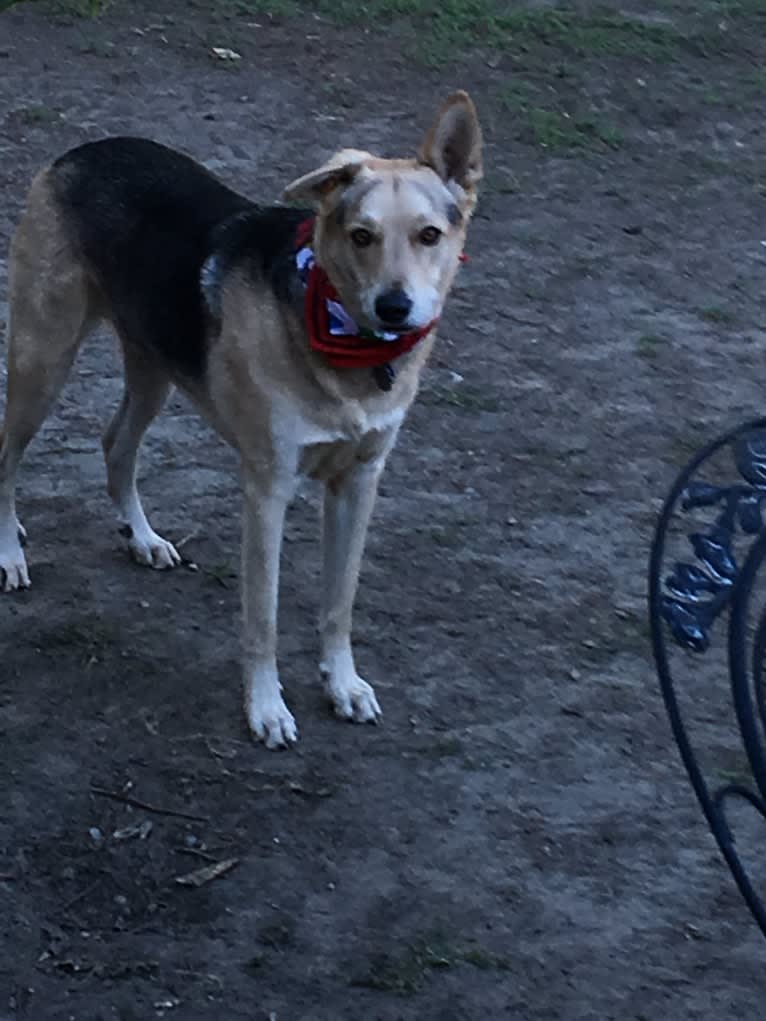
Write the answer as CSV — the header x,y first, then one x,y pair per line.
x,y
299,334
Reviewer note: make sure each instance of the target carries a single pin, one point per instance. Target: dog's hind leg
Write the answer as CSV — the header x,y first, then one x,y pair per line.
x,y
146,387
50,310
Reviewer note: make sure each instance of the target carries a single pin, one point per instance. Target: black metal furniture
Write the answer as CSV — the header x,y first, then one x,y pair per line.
x,y
714,514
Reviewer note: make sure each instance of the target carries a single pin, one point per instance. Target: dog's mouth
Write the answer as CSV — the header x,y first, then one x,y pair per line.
x,y
397,330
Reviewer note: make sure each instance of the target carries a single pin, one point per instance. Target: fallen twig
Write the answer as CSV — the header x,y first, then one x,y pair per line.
x,y
188,538
128,800
204,875
81,895
197,854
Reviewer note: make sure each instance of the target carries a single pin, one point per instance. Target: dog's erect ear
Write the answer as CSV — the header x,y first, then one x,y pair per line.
x,y
453,145
338,172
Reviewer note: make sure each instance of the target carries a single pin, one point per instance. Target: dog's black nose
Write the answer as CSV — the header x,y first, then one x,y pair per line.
x,y
393,307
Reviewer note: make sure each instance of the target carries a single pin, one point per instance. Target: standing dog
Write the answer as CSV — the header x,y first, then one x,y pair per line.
x,y
300,337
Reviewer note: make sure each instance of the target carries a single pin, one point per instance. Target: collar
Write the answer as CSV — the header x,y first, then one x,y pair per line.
x,y
333,332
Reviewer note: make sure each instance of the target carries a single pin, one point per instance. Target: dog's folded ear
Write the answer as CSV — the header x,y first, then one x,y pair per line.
x,y
453,145
318,186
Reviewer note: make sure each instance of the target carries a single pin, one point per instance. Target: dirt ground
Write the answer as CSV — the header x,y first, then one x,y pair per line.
x,y
517,839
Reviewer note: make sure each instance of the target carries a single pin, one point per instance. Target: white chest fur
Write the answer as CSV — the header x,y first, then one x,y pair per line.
x,y
320,448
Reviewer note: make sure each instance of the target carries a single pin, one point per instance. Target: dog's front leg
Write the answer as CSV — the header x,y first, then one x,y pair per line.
x,y
266,500
348,504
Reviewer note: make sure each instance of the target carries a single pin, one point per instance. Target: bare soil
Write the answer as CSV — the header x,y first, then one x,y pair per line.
x,y
517,839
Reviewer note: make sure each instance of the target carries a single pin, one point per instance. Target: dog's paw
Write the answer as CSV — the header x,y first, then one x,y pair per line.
x,y
271,721
13,564
352,698
150,549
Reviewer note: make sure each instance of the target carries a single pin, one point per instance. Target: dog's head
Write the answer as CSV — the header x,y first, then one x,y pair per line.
x,y
389,233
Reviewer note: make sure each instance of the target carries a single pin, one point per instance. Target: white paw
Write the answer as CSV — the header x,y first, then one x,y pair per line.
x,y
13,564
270,720
146,547
352,698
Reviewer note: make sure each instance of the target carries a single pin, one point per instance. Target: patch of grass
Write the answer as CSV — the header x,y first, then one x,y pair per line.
x,y
406,972
713,165
739,8
34,116
715,314
755,79
712,98
684,445
89,640
273,8
442,27
482,959
85,8
278,932
554,128
446,536
443,748
650,345
79,8
223,573
743,776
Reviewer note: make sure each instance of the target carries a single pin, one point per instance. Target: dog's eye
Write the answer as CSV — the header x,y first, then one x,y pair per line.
x,y
362,238
430,236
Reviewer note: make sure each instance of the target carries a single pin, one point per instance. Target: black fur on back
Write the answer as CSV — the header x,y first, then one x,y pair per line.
x,y
145,218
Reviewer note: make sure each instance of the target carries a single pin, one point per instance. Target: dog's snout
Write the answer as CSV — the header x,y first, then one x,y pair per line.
x,y
393,307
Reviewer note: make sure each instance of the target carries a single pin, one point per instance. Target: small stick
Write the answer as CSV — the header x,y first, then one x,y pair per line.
x,y
187,538
81,895
196,853
128,800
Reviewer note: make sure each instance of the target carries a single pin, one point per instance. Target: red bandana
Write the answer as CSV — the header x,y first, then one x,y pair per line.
x,y
343,350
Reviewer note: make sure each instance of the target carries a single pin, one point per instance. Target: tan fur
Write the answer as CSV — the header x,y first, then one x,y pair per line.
x,y
278,403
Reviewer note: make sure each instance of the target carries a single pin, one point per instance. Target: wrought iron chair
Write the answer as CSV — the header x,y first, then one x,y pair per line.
x,y
714,515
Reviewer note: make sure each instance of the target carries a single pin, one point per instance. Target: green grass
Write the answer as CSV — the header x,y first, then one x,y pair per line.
x,y
440,29
555,128
650,345
80,8
714,314
88,640
444,747
33,116
406,972
445,26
